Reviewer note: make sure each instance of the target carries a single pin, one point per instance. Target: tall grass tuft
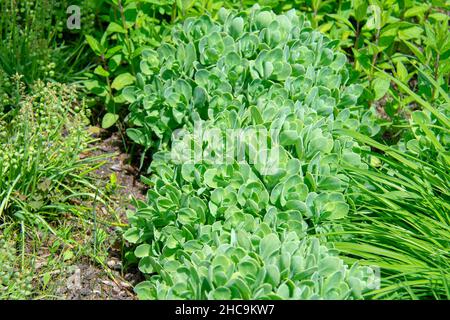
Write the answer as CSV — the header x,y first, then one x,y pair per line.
x,y
42,167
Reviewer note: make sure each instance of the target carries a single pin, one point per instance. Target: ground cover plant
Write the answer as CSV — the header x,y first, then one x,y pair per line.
x,y
13,283
50,191
41,140
288,150
129,28
236,230
375,35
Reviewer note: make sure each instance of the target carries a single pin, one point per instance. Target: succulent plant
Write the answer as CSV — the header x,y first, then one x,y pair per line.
x,y
203,219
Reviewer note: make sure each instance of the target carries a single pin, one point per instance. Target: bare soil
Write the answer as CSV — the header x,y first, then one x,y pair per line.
x,y
86,279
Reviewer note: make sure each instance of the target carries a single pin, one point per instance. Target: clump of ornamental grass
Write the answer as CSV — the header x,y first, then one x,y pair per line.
x,y
35,41
43,137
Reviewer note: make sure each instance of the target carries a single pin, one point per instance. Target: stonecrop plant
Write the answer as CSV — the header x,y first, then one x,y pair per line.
x,y
236,228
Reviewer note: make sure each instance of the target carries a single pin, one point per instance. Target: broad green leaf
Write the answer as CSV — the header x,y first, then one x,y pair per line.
x,y
221,293
114,27
142,251
109,120
402,73
413,32
95,45
145,265
101,72
416,11
122,80
144,290
129,94
132,235
380,87
269,245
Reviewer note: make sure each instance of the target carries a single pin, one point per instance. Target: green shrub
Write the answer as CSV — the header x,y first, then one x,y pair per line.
x,y
391,36
253,70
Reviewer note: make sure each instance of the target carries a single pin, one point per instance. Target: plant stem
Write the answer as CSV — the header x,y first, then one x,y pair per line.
x,y
357,34
127,38
436,72
174,12
22,229
375,55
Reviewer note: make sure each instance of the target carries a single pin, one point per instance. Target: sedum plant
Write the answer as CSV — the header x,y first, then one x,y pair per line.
x,y
202,72
249,71
131,26
258,264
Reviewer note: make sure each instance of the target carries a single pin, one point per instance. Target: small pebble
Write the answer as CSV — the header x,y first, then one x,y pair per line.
x,y
116,168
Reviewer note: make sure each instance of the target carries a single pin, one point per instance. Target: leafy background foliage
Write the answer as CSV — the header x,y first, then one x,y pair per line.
x,y
388,35
36,43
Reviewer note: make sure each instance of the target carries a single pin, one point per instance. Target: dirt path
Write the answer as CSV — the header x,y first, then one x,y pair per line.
x,y
86,279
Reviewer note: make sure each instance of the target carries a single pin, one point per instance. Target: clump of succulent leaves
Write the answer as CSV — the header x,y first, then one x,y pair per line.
x,y
238,230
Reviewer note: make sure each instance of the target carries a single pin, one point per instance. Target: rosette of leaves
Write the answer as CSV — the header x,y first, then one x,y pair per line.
x,y
250,71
